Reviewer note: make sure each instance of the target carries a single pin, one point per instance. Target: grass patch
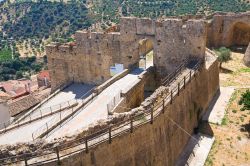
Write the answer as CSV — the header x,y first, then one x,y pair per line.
x,y
5,54
244,70
210,157
233,97
224,121
234,111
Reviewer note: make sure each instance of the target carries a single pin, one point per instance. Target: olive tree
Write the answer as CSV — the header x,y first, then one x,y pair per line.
x,y
224,55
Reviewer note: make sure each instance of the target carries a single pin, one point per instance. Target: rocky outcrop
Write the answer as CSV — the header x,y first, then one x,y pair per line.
x,y
246,58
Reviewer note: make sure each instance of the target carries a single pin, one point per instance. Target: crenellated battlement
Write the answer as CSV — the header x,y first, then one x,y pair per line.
x,y
56,49
83,37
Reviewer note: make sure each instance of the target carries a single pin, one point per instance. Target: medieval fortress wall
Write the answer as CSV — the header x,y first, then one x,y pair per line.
x,y
90,59
161,142
228,29
165,121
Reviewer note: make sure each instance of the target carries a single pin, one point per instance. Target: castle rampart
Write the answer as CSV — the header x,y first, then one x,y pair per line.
x,y
159,142
92,55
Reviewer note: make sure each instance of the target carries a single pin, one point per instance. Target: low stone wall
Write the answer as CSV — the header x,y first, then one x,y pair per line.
x,y
135,95
106,84
162,142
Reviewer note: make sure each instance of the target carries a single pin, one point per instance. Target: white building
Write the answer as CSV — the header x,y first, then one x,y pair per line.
x,y
4,114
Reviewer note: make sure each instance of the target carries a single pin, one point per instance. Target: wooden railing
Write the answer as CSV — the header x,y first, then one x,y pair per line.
x,y
40,114
106,134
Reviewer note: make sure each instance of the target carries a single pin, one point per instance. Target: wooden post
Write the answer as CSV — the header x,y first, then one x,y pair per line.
x,y
33,136
47,126
178,89
25,160
108,108
190,75
58,155
131,125
41,113
50,110
171,99
163,106
4,127
86,145
184,82
110,137
152,115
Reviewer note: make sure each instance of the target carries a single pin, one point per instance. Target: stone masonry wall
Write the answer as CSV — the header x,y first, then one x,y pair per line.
x,y
173,40
229,29
87,62
159,143
90,58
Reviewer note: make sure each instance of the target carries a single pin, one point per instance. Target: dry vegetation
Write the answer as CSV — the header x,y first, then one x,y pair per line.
x,y
234,72
232,138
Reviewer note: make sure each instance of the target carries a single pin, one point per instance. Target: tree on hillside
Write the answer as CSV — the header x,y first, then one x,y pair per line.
x,y
224,55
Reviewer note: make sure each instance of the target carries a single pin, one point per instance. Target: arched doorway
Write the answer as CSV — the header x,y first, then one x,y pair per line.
x,y
240,34
146,53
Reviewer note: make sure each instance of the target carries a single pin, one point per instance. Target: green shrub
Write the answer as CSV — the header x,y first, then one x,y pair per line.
x,y
5,54
245,101
234,111
224,55
224,121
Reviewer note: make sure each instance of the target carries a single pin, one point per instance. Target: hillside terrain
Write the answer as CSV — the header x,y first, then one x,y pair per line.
x,y
28,25
112,10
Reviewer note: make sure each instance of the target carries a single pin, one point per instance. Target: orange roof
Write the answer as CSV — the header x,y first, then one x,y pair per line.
x,y
15,87
43,74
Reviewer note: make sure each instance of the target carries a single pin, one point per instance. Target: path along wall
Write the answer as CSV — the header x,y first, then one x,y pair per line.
x,y
159,143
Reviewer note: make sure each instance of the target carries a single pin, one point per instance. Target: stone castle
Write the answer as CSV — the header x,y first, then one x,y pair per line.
x,y
139,130
90,58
